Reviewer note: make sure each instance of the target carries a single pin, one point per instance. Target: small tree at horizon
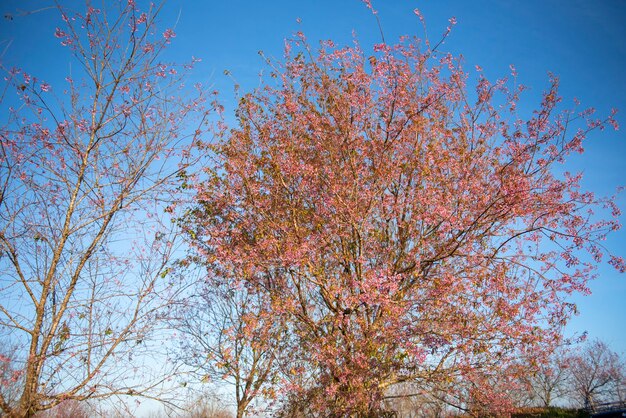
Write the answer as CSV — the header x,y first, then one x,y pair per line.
x,y
549,381
594,374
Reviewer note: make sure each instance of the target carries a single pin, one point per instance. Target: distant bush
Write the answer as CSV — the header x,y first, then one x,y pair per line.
x,y
206,407
551,413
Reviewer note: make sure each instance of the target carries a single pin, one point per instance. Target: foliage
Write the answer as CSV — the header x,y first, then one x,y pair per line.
x,y
400,226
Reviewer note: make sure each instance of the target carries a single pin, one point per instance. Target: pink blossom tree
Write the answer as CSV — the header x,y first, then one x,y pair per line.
x,y
404,227
85,171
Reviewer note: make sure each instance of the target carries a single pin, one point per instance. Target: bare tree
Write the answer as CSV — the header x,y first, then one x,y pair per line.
x,y
409,400
206,406
214,324
67,409
548,382
594,372
84,239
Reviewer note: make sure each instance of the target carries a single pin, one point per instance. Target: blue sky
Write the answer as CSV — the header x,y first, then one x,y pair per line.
x,y
583,42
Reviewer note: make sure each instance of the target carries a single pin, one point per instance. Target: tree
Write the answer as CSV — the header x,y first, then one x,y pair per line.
x,y
206,406
11,376
84,180
548,382
595,373
228,337
66,409
411,401
403,227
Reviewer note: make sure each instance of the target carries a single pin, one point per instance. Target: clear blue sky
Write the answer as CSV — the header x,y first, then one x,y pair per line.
x,y
582,41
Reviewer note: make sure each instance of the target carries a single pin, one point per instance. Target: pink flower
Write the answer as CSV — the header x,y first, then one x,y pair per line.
x,y
618,263
169,34
44,86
